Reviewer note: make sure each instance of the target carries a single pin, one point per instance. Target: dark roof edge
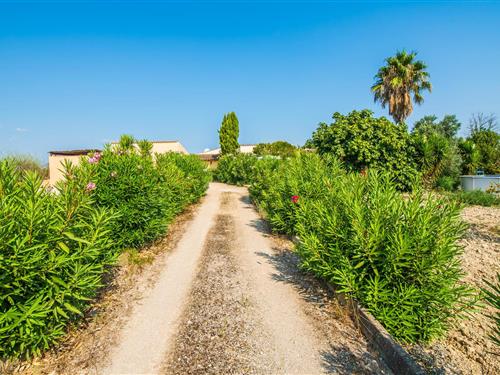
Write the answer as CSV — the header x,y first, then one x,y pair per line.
x,y
74,152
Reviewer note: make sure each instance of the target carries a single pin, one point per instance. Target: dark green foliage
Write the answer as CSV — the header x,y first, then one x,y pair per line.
x,y
437,152
471,156
235,169
53,251
228,134
362,141
279,148
476,197
447,183
492,297
398,255
481,149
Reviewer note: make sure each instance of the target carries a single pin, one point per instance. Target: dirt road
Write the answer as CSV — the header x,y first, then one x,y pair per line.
x,y
230,298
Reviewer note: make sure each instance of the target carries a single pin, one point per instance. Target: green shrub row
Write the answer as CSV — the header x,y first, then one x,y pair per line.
x,y
476,197
147,190
56,246
397,254
244,169
235,169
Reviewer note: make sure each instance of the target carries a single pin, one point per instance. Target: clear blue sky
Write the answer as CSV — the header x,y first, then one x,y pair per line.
x,y
75,74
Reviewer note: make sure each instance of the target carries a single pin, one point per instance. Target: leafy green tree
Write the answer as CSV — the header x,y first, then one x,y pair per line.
x,y
278,148
360,140
448,126
395,82
228,134
487,140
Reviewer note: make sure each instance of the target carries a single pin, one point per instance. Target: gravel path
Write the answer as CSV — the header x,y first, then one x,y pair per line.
x,y
227,298
145,338
251,311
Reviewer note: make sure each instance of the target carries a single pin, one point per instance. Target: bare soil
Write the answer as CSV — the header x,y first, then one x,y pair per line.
x,y
467,348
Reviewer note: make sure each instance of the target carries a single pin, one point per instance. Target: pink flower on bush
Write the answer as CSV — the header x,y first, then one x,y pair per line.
x,y
90,186
95,159
295,199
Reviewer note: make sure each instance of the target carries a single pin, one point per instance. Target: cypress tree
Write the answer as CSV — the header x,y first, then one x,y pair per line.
x,y
228,134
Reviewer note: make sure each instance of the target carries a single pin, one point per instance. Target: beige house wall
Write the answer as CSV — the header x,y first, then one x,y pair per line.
x,y
56,171
164,147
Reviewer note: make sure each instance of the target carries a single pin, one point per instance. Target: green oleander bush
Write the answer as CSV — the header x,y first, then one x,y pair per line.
x,y
492,297
54,249
235,169
56,245
194,170
398,254
148,190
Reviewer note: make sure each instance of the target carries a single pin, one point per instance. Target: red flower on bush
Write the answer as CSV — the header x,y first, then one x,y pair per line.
x,y
363,172
295,199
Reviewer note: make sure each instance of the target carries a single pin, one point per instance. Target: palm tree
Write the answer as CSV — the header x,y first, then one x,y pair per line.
x,y
396,81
